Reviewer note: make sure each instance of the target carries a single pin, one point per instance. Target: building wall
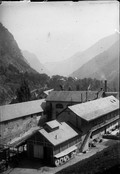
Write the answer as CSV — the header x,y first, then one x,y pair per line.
x,y
56,110
61,147
36,139
49,149
105,123
98,126
16,127
83,125
69,116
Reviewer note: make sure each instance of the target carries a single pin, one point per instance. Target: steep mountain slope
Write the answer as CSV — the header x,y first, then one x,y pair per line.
x,y
14,68
34,62
103,66
10,54
68,66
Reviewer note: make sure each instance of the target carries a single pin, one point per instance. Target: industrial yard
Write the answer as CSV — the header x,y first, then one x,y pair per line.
x,y
27,166
70,136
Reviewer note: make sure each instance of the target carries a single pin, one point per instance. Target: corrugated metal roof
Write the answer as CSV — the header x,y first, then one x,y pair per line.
x,y
69,96
96,108
64,133
12,111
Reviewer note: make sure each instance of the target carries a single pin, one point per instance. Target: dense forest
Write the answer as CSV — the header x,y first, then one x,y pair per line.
x,y
11,79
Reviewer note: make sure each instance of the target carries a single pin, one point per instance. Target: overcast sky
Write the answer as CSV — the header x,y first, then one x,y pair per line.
x,y
56,31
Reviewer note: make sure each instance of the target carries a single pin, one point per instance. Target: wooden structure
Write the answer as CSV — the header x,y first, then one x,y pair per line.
x,y
55,142
93,118
57,101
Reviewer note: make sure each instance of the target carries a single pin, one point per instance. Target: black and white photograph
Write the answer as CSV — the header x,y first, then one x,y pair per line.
x,y
59,87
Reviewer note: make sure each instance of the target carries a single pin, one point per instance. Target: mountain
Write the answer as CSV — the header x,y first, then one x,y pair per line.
x,y
34,62
10,54
14,68
71,64
102,66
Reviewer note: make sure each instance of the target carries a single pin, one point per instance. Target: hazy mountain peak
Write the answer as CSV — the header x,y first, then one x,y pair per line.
x,y
80,58
34,62
103,66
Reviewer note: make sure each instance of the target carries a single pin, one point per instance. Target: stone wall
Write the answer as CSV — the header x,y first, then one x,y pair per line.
x,y
99,162
16,127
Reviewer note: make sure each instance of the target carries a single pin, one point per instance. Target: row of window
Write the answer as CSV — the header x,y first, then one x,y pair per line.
x,y
105,118
60,106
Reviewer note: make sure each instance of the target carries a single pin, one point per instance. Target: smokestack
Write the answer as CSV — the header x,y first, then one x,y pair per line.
x,y
86,96
97,94
105,87
81,98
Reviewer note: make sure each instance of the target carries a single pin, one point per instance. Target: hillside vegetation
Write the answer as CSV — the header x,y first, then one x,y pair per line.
x,y
14,67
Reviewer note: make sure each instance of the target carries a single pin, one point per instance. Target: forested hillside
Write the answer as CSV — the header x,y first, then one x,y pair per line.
x,y
14,67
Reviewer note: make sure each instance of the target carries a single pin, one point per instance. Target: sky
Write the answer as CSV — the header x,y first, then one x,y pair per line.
x,y
55,31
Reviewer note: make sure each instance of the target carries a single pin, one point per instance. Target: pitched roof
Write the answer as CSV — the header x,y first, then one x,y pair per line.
x,y
96,108
13,111
58,136
72,96
17,141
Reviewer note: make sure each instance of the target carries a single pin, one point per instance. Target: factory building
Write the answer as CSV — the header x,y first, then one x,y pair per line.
x,y
93,118
57,101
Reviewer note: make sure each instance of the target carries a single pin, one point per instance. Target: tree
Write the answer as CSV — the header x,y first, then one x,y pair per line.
x,y
69,88
23,93
3,97
77,87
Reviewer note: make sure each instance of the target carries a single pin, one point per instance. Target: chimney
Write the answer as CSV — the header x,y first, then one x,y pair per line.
x,y
105,87
97,94
86,96
81,98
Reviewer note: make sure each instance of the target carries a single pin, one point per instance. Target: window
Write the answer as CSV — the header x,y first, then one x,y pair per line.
x,y
59,106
